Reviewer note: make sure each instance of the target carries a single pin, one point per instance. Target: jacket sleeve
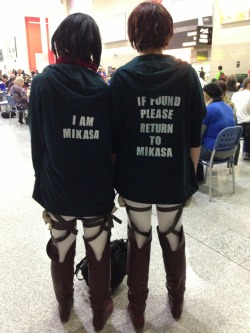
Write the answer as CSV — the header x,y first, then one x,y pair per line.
x,y
36,126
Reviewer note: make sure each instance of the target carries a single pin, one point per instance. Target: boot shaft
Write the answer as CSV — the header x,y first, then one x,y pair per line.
x,y
175,265
138,271
99,277
63,279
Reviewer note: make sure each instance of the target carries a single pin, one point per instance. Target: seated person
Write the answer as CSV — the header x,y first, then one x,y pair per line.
x,y
224,88
219,116
102,72
3,80
19,94
224,96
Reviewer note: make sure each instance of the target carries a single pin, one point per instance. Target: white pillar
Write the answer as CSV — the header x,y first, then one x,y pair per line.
x,y
44,35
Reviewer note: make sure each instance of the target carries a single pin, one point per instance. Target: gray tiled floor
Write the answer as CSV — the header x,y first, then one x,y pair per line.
x,y
218,257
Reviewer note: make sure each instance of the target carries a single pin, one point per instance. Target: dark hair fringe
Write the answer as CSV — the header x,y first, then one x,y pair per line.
x,y
78,35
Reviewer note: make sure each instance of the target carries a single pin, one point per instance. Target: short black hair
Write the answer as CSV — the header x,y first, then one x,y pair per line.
x,y
78,35
220,68
213,90
150,26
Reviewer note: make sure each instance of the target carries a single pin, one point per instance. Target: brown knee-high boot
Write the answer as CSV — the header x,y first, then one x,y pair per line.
x,y
138,268
99,284
175,267
62,276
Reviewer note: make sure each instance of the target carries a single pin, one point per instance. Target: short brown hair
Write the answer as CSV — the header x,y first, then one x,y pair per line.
x,y
245,82
223,85
150,26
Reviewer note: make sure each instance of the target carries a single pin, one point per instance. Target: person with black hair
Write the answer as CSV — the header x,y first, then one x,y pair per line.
x,y
220,75
202,74
158,107
3,80
219,116
71,153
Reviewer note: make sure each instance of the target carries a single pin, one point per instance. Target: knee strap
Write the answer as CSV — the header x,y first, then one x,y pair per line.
x,y
61,224
133,226
179,209
105,222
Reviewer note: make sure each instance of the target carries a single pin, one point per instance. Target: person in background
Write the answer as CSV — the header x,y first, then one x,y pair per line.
x,y
157,112
239,83
202,74
228,101
231,87
241,99
19,94
10,81
220,75
225,99
20,72
219,116
202,78
102,73
71,154
3,80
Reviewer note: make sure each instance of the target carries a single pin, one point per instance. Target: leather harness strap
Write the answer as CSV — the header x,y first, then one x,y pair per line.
x,y
59,223
177,208
104,221
137,209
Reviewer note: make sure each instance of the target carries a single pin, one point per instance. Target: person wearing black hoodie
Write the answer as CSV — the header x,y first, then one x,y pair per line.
x,y
71,153
158,107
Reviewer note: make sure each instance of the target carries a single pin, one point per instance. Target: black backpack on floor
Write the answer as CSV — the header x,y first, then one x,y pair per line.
x,y
118,264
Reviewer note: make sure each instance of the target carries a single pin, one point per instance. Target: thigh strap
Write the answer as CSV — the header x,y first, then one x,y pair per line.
x,y
105,222
177,208
137,209
59,223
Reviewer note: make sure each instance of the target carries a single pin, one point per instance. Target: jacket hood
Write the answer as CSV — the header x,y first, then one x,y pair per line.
x,y
74,81
147,71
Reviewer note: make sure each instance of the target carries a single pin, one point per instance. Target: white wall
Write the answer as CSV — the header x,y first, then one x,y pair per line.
x,y
119,52
231,41
13,24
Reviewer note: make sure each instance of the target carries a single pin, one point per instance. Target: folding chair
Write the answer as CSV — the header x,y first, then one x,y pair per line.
x,y
11,103
227,141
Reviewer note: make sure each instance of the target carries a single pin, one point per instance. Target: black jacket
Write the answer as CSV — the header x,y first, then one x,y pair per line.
x,y
71,141
158,107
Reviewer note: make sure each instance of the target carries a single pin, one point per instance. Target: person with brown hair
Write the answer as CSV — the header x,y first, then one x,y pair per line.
x,y
224,96
71,153
157,112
